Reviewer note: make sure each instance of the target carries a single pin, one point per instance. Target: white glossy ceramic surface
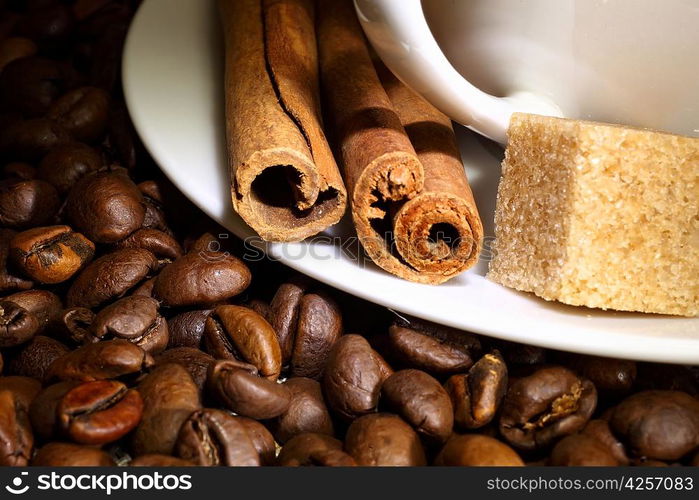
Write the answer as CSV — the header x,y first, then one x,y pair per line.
x,y
621,61
173,86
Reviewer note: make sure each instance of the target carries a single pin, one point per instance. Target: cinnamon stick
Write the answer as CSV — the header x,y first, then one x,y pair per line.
x,y
284,180
411,204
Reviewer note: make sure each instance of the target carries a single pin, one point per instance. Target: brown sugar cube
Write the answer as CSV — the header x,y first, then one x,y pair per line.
x,y
599,215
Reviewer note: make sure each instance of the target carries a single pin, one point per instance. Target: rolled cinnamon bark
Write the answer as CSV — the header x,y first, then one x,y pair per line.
x,y
284,180
424,230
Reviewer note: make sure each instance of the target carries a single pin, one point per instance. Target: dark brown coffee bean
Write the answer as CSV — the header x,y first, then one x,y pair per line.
x,y
285,312
134,318
161,244
599,430
155,215
659,376
155,460
99,412
14,48
73,325
246,393
187,328
50,254
17,325
611,376
581,450
520,354
261,439
477,450
169,398
83,112
19,170
29,85
105,206
42,411
236,332
35,357
16,439
213,437
353,377
145,289
476,396
25,389
27,203
196,362
30,140
122,136
299,449
9,282
263,309
50,26
111,277
319,327
307,412
421,401
545,406
102,360
662,425
201,278
65,165
45,305
383,439
438,352
71,455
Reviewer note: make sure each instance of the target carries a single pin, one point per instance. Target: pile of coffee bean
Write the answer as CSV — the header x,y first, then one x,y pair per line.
x,y
134,331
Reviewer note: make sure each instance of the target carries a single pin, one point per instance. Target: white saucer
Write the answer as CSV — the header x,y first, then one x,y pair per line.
x,y
173,85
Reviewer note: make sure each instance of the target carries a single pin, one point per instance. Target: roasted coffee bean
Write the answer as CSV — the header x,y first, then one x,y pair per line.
x,y
31,139
581,450
106,206
155,216
201,278
73,325
285,313
353,377
659,376
520,354
65,165
50,26
145,289
476,396
545,406
17,325
155,460
35,357
262,440
214,437
477,450
16,438
383,439
438,352
134,318
122,136
50,254
300,448
19,170
662,425
187,328
319,327
25,389
14,48
169,398
83,112
111,277
102,360
29,85
599,430
611,376
306,413
421,401
57,454
27,203
9,282
262,308
42,411
196,362
45,305
245,393
161,244
236,332
99,412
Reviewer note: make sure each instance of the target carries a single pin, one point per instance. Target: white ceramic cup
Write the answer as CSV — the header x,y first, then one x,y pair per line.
x,y
634,62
